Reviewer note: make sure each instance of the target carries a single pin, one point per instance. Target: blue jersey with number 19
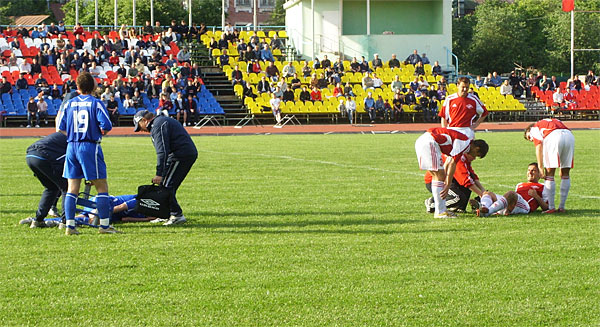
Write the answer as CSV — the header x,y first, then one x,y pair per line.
x,y
84,117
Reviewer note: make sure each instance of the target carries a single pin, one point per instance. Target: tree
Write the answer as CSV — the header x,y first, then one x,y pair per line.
x,y
278,15
207,11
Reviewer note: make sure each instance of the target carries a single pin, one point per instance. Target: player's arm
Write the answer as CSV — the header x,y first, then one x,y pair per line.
x,y
450,168
121,207
539,154
161,143
539,199
444,122
103,118
477,188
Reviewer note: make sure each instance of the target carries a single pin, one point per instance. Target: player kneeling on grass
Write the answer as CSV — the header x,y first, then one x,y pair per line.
x,y
526,197
429,148
554,148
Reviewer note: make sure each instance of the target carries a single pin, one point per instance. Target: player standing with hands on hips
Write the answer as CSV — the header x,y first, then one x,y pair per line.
x,y
84,121
554,148
175,155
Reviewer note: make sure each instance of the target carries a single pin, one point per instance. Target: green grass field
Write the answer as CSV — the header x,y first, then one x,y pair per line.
x,y
313,230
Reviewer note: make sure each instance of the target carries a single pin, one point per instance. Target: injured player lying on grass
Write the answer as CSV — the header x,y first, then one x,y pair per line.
x,y
526,198
123,210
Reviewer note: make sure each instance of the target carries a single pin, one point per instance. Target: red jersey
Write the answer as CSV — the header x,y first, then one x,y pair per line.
x,y
523,188
464,174
462,112
452,143
542,128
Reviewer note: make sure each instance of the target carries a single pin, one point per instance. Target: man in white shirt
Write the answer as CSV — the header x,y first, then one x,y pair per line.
x,y
289,70
25,67
377,82
559,99
350,108
275,107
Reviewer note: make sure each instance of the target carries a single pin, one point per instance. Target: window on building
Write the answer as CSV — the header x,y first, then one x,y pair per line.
x,y
243,3
266,3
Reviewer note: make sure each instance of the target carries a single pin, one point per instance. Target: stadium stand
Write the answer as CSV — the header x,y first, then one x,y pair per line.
x,y
121,60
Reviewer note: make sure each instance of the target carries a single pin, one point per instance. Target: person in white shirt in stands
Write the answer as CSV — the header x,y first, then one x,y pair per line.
x,y
42,111
289,70
377,82
128,102
275,107
505,89
350,108
559,99
25,67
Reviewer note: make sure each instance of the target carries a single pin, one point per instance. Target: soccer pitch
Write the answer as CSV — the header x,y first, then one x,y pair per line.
x,y
306,230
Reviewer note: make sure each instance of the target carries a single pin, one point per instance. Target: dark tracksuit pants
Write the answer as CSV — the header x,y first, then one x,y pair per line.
x,y
178,170
458,195
50,175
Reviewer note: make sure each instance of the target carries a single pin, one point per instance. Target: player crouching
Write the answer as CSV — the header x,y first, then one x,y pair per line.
x,y
526,197
429,148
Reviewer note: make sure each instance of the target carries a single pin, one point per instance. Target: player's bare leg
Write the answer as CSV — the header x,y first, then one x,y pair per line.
x,y
549,189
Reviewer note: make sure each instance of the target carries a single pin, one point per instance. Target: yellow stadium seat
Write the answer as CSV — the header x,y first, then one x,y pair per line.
x,y
282,34
261,34
216,52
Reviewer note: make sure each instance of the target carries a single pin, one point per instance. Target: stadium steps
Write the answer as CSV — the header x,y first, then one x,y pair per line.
x,y
218,84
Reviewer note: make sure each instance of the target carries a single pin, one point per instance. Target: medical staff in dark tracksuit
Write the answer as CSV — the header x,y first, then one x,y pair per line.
x,y
175,155
46,158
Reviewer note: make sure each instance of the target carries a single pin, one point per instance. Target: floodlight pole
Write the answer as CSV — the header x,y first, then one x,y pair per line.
x,y
133,2
96,15
572,43
223,15
190,13
312,18
76,12
368,17
152,12
115,15
255,15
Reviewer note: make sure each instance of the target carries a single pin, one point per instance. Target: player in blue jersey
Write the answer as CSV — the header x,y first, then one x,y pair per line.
x,y
84,122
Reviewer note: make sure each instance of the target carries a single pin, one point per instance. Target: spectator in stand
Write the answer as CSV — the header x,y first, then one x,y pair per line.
x,y
223,44
306,70
348,91
55,92
436,69
558,100
96,41
42,111
577,83
325,63
128,102
350,109
288,70
12,60
367,81
288,94
590,79
410,98
370,107
397,107
147,29
376,63
338,67
21,83
236,76
304,94
263,85
106,95
315,95
424,59
316,64
191,107
32,112
394,63
506,89
276,107
322,82
112,106
414,58
276,42
423,84
380,106
419,69
181,108
342,108
164,105
224,58
388,111
61,28
296,83
314,81
183,55
364,65
14,44
396,84
266,54
5,86
157,28
254,67
553,84
272,71
78,43
354,66
414,85
496,79
478,81
543,83
377,82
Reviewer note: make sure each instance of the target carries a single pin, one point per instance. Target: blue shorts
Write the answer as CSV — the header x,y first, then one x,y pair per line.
x,y
84,160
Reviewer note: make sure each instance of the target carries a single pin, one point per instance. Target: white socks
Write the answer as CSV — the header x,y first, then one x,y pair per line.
x,y
565,185
549,191
436,188
500,204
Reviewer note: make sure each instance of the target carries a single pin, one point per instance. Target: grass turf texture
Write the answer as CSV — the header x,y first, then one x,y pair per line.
x,y
306,230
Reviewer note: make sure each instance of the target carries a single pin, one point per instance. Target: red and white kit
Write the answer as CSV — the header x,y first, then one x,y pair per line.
x,y
430,146
461,113
557,140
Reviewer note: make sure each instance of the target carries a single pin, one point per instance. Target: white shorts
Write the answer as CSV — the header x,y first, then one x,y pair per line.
x,y
522,207
559,146
428,153
467,131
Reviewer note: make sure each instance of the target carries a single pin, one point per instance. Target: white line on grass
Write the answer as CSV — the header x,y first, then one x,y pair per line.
x,y
337,164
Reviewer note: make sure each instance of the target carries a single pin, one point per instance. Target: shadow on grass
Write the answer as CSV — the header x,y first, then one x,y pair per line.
x,y
342,231
20,194
30,212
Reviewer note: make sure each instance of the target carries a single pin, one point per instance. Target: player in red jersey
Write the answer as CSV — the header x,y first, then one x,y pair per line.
x,y
429,148
463,111
554,148
464,182
526,197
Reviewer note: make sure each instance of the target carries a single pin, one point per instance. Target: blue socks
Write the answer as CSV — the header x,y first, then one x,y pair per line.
x,y
69,206
102,204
